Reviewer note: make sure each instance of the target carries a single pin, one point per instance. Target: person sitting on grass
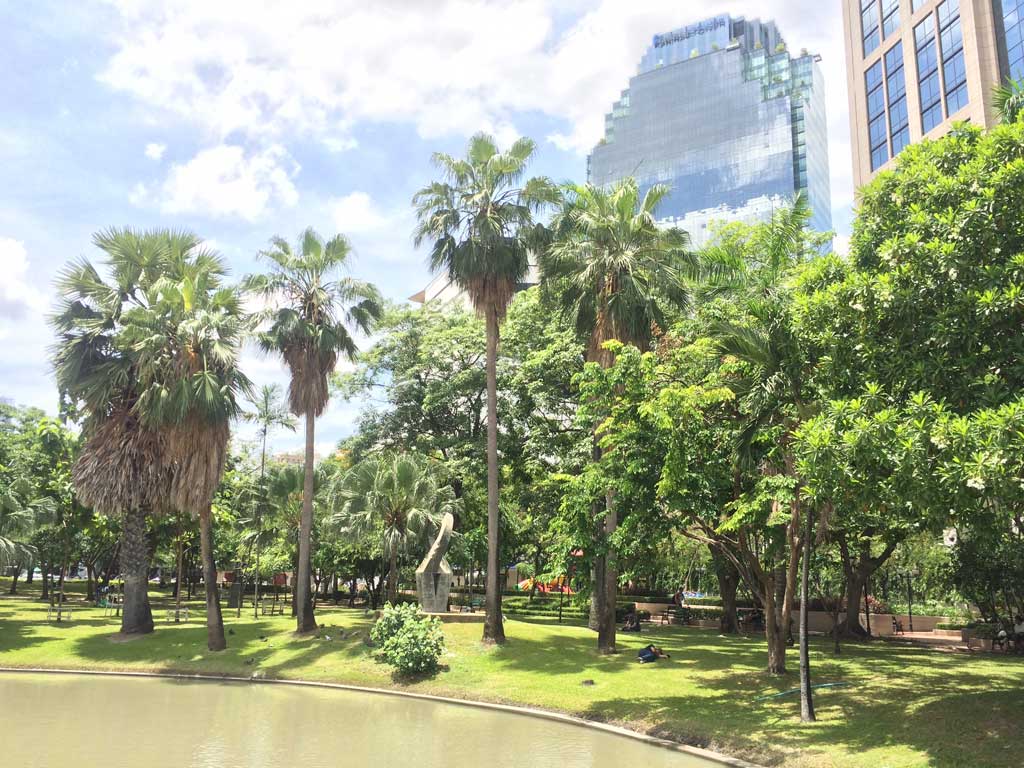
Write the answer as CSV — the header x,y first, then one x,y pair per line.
x,y
651,653
632,622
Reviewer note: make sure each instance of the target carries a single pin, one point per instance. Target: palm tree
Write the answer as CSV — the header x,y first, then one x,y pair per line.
x,y
188,342
774,395
617,273
19,515
269,413
317,314
477,220
1008,101
122,469
397,496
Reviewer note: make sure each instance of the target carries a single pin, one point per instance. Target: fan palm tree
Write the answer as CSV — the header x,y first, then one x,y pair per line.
x,y
617,273
269,413
122,469
188,342
318,312
1008,101
397,496
477,220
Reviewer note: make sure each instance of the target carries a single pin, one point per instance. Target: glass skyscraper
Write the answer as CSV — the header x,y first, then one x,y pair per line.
x,y
722,113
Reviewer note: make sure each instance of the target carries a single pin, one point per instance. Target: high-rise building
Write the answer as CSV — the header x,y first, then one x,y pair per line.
x,y
725,115
915,67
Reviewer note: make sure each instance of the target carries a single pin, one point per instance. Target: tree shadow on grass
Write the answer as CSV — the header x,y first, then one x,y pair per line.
x,y
968,720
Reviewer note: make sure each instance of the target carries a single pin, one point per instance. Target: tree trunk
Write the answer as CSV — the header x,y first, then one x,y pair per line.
x,y
181,571
136,615
60,592
305,621
14,581
393,577
728,583
775,635
30,573
90,587
214,621
806,695
44,569
606,630
494,629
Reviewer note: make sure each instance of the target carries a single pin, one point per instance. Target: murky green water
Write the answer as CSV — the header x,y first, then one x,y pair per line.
x,y
79,721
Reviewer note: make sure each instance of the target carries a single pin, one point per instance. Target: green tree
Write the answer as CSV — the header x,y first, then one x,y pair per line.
x,y
397,497
926,308
269,413
477,220
123,468
617,273
1008,100
318,312
187,342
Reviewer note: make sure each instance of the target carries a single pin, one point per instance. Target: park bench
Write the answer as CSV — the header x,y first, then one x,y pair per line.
x,y
473,604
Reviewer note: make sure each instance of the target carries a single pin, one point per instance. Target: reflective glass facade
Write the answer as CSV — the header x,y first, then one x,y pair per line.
x,y
1011,14
722,114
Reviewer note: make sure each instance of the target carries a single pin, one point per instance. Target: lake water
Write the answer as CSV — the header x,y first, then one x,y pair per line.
x,y
82,721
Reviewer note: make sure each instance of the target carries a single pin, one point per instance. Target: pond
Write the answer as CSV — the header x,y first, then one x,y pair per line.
x,y
82,721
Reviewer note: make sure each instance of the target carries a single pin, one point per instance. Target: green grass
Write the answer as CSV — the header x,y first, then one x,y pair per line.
x,y
906,706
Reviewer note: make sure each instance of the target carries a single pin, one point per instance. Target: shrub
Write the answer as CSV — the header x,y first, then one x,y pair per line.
x,y
407,640
955,625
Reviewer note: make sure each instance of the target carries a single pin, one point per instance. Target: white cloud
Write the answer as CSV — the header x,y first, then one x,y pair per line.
x,y
383,234
24,333
19,297
264,69
357,212
225,181
155,151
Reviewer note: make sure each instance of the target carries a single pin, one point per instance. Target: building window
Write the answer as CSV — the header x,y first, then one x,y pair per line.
x,y
928,74
877,133
890,17
869,25
1013,26
954,73
915,5
899,121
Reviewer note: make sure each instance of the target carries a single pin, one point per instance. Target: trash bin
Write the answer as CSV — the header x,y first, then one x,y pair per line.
x,y
235,595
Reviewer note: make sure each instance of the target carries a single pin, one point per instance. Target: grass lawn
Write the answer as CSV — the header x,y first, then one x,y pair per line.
x,y
906,706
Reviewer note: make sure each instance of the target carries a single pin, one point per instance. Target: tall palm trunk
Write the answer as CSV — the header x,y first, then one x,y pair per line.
x,y
393,577
136,615
606,628
606,576
259,526
214,621
181,574
494,629
806,700
305,622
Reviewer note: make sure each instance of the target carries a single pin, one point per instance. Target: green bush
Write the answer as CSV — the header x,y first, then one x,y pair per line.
x,y
986,631
955,625
407,640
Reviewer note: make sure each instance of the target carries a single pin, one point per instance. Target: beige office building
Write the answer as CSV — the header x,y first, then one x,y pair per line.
x,y
914,67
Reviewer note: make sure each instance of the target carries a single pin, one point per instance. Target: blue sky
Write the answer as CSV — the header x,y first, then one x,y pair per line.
x,y
242,120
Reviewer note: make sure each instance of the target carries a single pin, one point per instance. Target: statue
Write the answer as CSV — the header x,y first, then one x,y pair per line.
x,y
434,575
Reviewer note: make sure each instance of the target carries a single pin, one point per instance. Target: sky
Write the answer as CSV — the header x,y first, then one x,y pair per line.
x,y
245,120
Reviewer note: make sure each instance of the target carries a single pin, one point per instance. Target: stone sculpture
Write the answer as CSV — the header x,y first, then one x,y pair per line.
x,y
434,575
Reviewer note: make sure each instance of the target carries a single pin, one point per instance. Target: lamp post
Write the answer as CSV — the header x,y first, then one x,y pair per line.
x,y
910,599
